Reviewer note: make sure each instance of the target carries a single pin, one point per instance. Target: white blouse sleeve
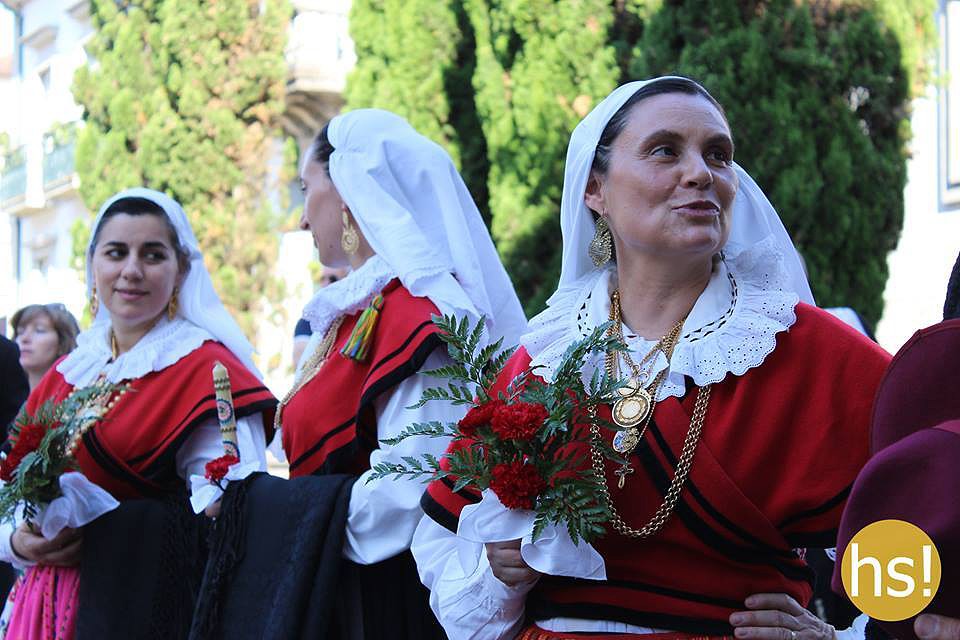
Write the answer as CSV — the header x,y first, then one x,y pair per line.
x,y
205,444
384,513
468,600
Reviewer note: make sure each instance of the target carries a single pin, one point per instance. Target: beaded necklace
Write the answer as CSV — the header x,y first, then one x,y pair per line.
x,y
100,403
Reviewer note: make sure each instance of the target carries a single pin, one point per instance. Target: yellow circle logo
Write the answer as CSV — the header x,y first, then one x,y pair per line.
x,y
891,570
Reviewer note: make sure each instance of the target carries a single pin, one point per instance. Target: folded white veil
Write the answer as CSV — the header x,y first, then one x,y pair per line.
x,y
418,216
754,218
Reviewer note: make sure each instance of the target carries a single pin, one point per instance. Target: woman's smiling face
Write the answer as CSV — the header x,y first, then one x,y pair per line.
x,y
135,268
670,183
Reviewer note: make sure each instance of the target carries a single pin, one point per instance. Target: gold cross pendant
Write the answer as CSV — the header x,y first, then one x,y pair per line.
x,y
622,473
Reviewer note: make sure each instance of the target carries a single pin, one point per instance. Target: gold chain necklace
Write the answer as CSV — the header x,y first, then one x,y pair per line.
x,y
680,477
635,405
310,368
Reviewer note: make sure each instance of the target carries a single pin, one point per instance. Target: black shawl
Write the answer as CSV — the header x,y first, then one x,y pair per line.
x,y
275,558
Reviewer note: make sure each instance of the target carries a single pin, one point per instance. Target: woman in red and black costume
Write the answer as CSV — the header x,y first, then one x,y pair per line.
x,y
158,328
387,203
668,238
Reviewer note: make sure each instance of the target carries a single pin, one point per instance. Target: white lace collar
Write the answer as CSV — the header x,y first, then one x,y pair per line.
x,y
166,343
731,328
348,295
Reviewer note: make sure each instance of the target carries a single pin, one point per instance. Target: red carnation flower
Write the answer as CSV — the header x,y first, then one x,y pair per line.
x,y
29,438
477,417
517,484
7,468
27,441
216,469
518,421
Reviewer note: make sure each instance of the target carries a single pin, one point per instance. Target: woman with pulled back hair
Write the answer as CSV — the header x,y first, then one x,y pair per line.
x,y
388,205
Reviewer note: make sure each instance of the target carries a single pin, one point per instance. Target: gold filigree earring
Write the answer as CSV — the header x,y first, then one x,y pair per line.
x,y
601,246
349,239
94,302
174,304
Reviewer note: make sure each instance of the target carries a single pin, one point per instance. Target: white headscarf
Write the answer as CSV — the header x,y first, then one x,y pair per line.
x,y
759,253
415,211
201,316
754,218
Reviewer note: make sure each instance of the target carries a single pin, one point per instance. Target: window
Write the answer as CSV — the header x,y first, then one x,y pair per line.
x,y
948,138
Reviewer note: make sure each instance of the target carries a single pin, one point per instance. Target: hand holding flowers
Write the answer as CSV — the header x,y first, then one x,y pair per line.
x,y
41,478
528,443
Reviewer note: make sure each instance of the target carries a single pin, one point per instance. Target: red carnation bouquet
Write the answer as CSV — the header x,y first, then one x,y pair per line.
x,y
529,444
216,470
42,449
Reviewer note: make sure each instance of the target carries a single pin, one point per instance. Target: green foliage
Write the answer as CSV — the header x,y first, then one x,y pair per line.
x,y
817,96
474,368
35,467
818,108
416,58
541,66
185,98
912,23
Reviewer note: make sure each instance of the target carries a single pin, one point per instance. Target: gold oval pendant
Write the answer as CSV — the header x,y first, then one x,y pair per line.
x,y
633,409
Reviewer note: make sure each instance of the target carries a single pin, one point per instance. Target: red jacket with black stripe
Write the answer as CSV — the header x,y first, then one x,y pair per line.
x,y
780,448
131,452
329,425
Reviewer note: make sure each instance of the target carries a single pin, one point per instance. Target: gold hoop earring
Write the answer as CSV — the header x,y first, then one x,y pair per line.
x,y
94,302
349,239
173,305
601,246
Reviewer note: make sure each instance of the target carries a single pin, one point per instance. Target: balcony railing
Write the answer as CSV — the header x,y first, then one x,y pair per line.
x,y
58,163
13,177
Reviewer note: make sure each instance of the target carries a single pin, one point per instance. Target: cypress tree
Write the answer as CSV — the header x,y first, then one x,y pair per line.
x,y
817,95
184,98
541,66
416,58
817,104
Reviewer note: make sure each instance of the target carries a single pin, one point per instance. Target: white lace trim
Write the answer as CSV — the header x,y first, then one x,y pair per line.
x,y
166,343
742,332
348,295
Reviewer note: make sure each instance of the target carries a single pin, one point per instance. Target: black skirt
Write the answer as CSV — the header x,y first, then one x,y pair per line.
x,y
275,558
384,601
141,570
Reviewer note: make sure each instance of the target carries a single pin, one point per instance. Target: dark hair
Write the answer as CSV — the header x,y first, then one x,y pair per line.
x,y
601,158
138,207
62,320
320,148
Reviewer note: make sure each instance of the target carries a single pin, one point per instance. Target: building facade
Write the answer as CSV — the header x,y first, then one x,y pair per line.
x,y
39,119
40,203
921,264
